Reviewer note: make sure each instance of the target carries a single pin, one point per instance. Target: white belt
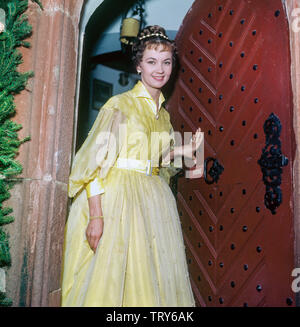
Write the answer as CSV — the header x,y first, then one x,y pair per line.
x,y
140,166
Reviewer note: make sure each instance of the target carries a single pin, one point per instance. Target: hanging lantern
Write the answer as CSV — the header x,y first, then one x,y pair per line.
x,y
131,26
130,30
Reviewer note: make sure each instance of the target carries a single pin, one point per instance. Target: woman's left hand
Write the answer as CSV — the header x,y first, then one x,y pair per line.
x,y
94,232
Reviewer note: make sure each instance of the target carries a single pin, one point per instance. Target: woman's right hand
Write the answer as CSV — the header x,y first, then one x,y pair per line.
x,y
94,232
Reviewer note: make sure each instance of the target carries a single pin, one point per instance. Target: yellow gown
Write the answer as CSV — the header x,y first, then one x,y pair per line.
x,y
140,259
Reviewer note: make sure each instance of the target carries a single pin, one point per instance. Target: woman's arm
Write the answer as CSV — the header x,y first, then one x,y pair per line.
x,y
94,229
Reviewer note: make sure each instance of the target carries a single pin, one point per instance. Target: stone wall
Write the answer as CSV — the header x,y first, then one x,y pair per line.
x,y
46,111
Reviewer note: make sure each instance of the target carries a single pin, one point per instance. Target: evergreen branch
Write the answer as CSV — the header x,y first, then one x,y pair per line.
x,y
11,83
4,301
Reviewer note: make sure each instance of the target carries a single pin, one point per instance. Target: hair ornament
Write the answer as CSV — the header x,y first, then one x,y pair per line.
x,y
153,34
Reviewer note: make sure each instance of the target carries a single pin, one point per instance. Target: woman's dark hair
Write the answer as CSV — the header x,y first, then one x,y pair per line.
x,y
151,36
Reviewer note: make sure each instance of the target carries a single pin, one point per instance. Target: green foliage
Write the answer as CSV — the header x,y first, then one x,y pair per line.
x,y
4,301
11,82
5,259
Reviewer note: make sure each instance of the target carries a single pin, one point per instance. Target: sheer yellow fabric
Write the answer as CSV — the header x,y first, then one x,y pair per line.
x,y
104,135
140,259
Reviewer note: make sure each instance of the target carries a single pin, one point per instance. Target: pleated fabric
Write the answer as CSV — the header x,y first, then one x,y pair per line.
x,y
140,259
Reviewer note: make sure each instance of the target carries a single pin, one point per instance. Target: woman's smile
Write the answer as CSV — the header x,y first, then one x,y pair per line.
x,y
155,68
158,78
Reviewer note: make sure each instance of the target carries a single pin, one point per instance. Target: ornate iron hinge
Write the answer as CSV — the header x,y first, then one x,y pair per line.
x,y
271,163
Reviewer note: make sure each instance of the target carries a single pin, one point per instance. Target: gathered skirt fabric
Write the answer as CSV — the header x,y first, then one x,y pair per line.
x,y
140,259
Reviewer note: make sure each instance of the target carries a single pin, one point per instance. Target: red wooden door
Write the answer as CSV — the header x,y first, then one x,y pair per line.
x,y
235,72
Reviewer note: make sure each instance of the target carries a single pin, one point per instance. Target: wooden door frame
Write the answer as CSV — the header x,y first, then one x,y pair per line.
x,y
290,6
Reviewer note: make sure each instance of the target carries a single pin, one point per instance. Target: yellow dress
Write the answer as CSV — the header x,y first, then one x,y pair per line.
x,y
140,259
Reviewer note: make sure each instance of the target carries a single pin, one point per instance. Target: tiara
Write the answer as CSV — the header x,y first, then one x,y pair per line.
x,y
154,34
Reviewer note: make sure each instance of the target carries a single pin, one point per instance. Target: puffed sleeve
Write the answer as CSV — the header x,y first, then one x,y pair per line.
x,y
98,153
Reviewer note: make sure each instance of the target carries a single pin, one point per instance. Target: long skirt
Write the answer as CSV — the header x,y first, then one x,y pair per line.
x,y
140,259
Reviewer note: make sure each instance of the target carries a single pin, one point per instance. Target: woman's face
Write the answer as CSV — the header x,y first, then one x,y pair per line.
x,y
155,67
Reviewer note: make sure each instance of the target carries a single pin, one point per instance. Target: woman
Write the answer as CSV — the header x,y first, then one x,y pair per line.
x,y
123,240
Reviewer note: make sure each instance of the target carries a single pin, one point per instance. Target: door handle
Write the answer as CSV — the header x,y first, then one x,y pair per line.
x,y
214,172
